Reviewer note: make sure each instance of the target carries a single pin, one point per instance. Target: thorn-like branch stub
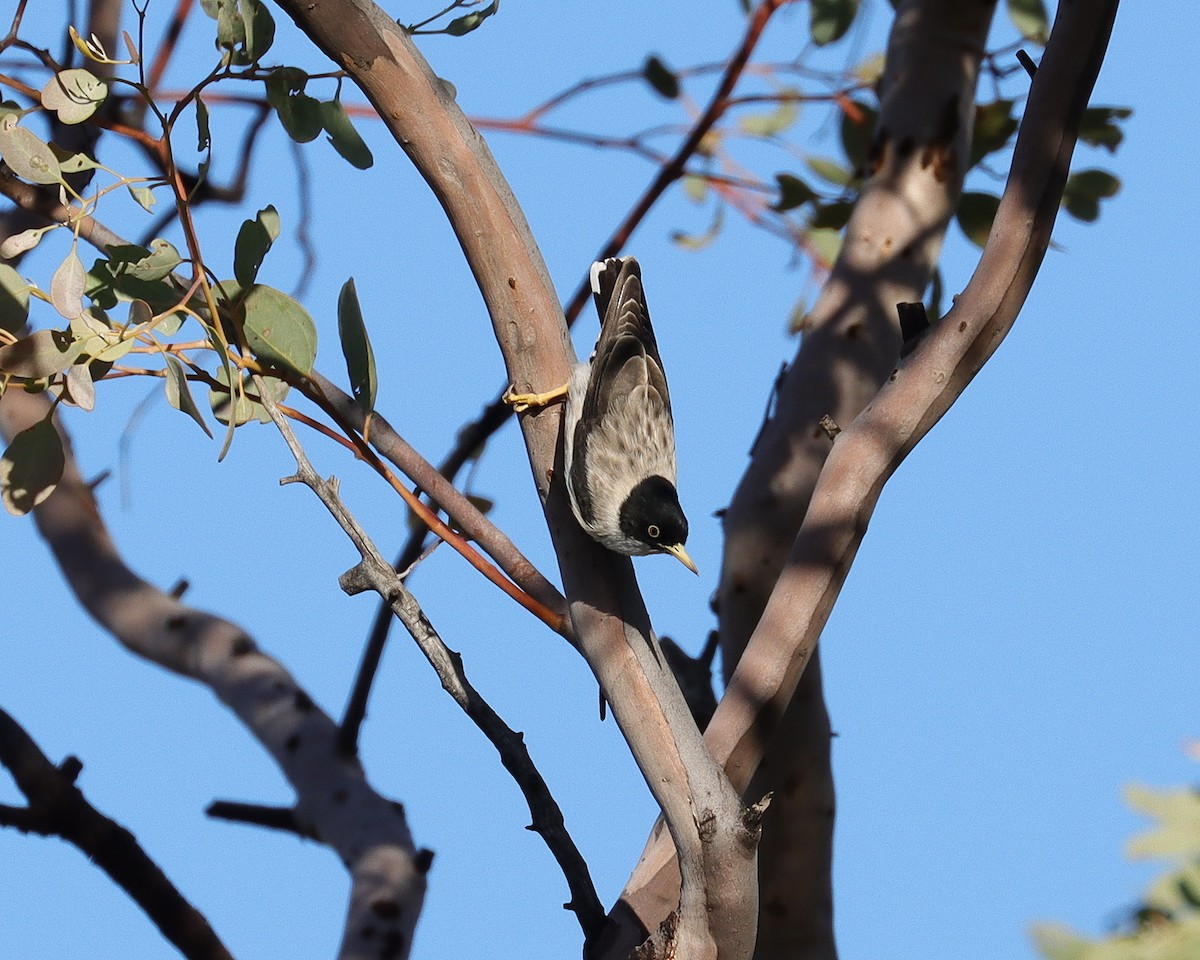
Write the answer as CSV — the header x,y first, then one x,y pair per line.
x,y
831,429
914,320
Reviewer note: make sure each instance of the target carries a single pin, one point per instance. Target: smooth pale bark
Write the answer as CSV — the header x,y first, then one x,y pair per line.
x,y
714,836
334,801
850,344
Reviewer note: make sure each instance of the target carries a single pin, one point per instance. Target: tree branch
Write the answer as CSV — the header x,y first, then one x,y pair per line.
x,y
917,393
923,387
375,573
58,808
716,841
367,830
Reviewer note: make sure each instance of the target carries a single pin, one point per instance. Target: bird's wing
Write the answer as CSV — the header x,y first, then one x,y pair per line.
x,y
626,355
625,364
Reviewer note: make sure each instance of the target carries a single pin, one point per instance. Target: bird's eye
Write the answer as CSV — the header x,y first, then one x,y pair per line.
x,y
653,531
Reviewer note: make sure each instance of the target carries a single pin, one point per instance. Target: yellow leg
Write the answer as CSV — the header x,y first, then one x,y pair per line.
x,y
521,402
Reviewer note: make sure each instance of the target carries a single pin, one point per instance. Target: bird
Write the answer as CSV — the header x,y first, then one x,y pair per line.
x,y
618,431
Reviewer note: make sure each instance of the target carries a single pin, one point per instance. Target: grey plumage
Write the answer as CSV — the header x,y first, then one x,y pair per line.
x,y
619,432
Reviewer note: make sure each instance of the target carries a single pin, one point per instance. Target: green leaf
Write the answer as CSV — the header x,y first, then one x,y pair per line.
x,y
159,261
345,139
975,214
279,330
74,95
14,300
254,239
858,132
870,70
41,354
824,245
661,78
698,241
67,285
1029,17
356,348
1099,127
775,122
829,170
203,133
464,25
31,467
299,113
937,294
830,19
110,281
1084,191
259,27
831,216
793,192
994,127
179,395
695,187
248,406
27,156
222,402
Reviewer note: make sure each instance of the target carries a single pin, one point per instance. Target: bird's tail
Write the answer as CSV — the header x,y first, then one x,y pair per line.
x,y
605,276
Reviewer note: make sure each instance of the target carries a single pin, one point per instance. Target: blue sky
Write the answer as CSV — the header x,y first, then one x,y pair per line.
x,y
1015,641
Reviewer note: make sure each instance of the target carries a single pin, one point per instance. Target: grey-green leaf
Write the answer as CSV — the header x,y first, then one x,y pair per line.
x,y
1029,16
345,139
279,330
18,243
144,196
824,244
161,259
14,299
698,241
254,239
829,170
830,19
80,389
31,467
74,95
66,286
41,354
775,122
356,348
179,395
27,156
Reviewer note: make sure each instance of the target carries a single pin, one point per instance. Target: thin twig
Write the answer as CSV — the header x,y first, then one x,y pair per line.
x,y
373,572
58,808
474,434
